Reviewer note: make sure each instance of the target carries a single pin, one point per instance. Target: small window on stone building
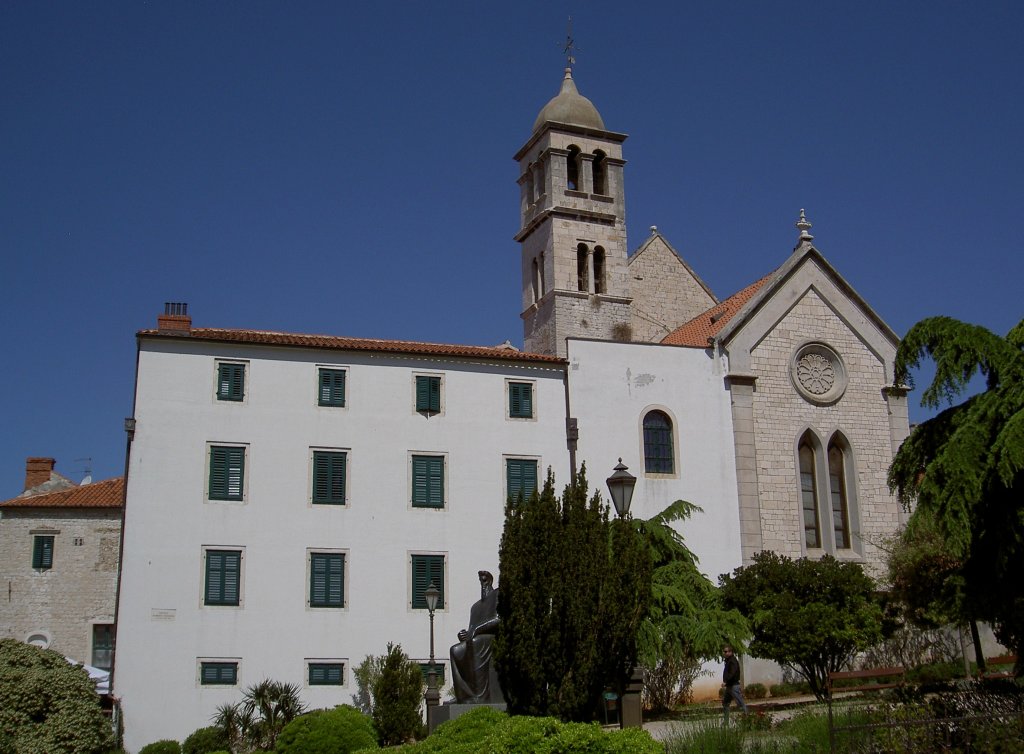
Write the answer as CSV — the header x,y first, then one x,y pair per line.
x,y
582,282
102,646
42,553
599,286
572,164
600,173
659,457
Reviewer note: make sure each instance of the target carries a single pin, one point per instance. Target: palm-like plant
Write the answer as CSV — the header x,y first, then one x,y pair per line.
x,y
255,722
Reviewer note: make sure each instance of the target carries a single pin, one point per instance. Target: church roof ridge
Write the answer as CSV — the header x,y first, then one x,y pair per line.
x,y
656,234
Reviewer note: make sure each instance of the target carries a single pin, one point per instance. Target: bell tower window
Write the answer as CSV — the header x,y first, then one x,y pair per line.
x,y
600,173
599,286
572,164
582,280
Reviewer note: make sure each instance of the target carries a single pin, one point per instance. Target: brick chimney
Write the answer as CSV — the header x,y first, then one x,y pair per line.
x,y
37,471
175,320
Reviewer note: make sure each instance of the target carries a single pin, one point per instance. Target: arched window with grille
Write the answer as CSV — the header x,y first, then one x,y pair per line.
x,y
809,494
659,457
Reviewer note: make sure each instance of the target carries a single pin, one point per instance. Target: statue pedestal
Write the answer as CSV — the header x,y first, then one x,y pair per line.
x,y
451,710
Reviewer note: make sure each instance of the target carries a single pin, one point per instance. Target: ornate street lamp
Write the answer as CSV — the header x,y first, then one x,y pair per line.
x,y
432,696
620,485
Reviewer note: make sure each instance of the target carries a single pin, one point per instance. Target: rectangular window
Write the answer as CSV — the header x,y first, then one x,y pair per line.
x,y
223,577
520,477
428,394
438,668
329,477
227,472
326,673
428,481
42,553
427,570
230,382
102,646
218,673
326,579
332,387
520,400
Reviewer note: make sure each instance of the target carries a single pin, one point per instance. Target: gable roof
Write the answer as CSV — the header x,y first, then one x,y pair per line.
x,y
701,329
106,494
656,236
268,337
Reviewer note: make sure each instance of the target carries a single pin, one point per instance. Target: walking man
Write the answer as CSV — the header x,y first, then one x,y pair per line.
x,y
731,682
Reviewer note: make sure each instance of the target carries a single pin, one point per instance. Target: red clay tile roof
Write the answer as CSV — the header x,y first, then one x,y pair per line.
x,y
698,330
106,494
265,337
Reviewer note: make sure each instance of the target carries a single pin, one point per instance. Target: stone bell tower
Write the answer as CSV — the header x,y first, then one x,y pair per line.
x,y
573,234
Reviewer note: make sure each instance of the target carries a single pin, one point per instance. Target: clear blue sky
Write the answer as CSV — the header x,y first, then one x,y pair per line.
x,y
346,168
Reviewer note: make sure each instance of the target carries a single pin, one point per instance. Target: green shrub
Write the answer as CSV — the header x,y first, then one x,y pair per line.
x,y
783,689
755,691
166,746
328,731
205,741
486,729
709,736
939,672
397,695
47,704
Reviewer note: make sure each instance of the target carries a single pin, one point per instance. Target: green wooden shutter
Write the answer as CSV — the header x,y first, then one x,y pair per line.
x,y
227,473
218,673
329,477
223,571
326,673
428,481
520,400
521,477
326,580
42,553
230,382
426,569
428,394
332,387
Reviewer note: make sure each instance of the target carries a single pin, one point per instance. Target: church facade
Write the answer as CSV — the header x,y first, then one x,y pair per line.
x,y
291,497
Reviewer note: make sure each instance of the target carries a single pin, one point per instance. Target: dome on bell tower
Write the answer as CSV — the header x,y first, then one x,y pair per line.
x,y
569,107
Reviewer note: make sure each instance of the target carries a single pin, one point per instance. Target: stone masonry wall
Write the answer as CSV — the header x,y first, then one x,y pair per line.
x,y
781,415
665,293
62,602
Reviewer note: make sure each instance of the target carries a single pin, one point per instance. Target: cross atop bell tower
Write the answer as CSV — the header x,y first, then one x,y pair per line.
x,y
573,225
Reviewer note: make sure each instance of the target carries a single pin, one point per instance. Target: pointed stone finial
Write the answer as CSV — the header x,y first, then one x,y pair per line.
x,y
804,226
654,230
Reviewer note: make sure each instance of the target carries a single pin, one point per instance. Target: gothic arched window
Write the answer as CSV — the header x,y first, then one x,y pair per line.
x,y
809,495
838,494
658,455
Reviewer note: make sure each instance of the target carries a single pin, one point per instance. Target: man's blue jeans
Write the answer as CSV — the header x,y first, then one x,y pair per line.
x,y
733,692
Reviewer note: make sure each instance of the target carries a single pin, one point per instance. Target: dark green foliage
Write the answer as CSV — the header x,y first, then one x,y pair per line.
x,y
328,731
808,615
964,468
397,695
366,673
574,588
486,730
47,704
205,741
925,579
166,746
686,620
257,720
755,691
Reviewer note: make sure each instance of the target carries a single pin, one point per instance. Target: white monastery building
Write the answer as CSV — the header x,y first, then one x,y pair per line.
x,y
290,497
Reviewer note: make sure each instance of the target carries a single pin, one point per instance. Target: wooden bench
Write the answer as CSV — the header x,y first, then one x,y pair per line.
x,y
1001,660
844,675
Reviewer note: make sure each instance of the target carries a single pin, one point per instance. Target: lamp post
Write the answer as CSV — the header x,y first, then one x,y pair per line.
x,y
620,485
432,696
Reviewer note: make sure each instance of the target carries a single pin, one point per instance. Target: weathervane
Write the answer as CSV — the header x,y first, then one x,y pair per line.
x,y
570,47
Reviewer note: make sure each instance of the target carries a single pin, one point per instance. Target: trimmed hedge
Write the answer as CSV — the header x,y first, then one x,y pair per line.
x,y
205,741
755,691
328,731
